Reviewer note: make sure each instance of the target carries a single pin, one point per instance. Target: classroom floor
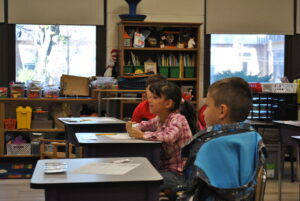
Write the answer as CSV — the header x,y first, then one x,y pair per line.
x,y
19,190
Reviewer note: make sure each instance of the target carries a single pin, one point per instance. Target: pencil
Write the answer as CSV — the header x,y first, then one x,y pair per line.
x,y
99,134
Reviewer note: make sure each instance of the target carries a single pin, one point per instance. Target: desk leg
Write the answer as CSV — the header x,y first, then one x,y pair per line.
x,y
279,163
107,108
99,104
298,165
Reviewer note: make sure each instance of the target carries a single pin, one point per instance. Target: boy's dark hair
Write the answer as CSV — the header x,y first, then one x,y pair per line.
x,y
173,92
235,93
155,78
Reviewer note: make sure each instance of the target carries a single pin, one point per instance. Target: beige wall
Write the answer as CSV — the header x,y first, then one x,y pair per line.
x,y
156,11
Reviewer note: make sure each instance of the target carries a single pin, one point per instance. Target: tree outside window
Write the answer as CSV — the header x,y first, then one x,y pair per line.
x,y
45,52
256,58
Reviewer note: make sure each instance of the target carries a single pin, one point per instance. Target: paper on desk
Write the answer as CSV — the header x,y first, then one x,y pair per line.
x,y
89,137
101,119
106,168
123,136
296,123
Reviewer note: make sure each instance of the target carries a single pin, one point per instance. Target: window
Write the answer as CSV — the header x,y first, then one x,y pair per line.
x,y
45,52
256,58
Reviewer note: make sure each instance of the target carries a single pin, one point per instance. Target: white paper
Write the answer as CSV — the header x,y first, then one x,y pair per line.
x,y
106,168
89,137
296,123
123,136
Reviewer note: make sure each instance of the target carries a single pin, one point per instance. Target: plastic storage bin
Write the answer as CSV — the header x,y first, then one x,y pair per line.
x,y
40,115
3,92
174,72
17,90
128,69
23,116
34,89
164,70
51,91
189,71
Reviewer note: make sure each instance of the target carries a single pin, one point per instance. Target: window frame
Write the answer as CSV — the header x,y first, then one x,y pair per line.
x,y
8,49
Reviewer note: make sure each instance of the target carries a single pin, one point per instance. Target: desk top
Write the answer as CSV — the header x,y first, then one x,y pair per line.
x,y
260,123
288,123
297,138
144,172
90,120
110,138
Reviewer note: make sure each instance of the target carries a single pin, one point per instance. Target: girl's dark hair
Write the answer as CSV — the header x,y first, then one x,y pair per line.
x,y
188,110
171,91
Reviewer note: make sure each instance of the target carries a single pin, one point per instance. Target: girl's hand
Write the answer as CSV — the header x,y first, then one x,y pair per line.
x,y
133,131
128,126
136,133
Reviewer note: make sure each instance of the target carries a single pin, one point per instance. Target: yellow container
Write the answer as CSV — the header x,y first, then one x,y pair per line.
x,y
24,116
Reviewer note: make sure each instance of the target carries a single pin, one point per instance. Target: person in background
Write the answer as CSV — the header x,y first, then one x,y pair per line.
x,y
228,105
141,112
169,126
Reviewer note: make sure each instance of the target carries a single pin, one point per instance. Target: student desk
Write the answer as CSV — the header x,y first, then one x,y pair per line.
x,y
119,145
139,184
286,129
90,124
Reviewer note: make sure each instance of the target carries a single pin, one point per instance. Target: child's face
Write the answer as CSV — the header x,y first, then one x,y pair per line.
x,y
212,112
158,105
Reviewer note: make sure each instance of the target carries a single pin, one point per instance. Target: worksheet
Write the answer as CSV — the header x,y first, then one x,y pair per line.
x,y
117,168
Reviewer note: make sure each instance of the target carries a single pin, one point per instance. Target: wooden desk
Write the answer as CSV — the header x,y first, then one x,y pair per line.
x,y
286,130
119,145
90,124
140,184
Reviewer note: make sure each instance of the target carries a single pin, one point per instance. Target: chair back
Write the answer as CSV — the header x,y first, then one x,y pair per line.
x,y
229,164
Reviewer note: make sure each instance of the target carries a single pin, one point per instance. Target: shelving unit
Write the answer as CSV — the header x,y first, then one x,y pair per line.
x,y
175,33
8,108
274,106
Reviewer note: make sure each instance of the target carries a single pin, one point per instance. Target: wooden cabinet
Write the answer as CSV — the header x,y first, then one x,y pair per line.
x,y
8,110
169,45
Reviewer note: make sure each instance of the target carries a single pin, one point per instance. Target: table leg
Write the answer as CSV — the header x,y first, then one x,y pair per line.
x,y
279,164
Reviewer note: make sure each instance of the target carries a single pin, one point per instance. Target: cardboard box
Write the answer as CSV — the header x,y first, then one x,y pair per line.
x,y
74,85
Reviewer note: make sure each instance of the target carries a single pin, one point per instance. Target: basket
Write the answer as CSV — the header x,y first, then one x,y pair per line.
x,y
18,149
10,123
174,72
280,87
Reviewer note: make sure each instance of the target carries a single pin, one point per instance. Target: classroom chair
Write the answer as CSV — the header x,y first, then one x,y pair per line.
x,y
229,167
55,152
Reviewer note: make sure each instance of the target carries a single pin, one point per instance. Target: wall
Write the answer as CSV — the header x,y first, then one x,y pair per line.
x,y
156,11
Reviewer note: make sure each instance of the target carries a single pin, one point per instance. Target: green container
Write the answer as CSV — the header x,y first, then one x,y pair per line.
x,y
189,71
174,71
164,70
138,68
128,69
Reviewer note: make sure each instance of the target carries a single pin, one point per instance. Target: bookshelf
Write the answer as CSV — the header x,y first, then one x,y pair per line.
x,y
166,45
